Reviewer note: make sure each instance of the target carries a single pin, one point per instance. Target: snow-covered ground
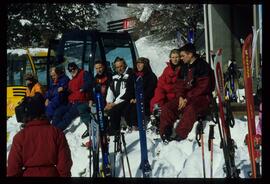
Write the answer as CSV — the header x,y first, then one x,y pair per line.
x,y
177,159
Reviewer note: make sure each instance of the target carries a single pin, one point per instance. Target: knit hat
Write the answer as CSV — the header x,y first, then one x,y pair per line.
x,y
142,60
29,76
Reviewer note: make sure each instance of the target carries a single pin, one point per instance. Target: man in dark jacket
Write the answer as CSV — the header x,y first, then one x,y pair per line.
x,y
79,99
56,96
193,95
102,81
39,149
119,94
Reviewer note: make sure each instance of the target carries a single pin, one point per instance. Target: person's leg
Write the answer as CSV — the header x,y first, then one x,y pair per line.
x,y
189,116
115,117
84,113
168,116
70,115
50,109
58,115
129,112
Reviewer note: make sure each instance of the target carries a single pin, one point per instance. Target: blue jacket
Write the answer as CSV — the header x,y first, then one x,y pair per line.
x,y
52,94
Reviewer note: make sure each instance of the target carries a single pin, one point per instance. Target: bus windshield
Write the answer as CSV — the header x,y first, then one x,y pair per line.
x,y
17,66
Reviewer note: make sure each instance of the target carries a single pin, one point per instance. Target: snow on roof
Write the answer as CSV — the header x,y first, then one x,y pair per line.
x,y
33,51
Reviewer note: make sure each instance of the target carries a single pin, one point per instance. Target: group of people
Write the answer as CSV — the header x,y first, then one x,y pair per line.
x,y
184,88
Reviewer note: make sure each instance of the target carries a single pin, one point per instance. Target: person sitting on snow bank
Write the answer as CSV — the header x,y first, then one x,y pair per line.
x,y
164,90
39,149
56,95
33,86
118,97
144,70
193,95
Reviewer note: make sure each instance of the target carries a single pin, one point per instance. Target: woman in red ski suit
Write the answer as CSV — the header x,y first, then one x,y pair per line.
x,y
165,86
39,149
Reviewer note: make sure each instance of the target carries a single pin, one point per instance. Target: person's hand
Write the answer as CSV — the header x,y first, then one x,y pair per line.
x,y
60,89
90,103
132,101
46,102
109,106
182,103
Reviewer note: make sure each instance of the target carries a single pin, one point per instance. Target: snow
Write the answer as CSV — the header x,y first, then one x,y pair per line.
x,y
157,53
33,51
175,160
25,22
147,11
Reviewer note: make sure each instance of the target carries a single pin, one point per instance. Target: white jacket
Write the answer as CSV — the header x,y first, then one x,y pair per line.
x,y
111,98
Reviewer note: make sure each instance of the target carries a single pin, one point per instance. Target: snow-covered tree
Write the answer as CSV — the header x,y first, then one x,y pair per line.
x,y
162,20
30,23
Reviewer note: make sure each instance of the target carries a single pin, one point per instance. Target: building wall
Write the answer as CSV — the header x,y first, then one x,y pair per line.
x,y
230,23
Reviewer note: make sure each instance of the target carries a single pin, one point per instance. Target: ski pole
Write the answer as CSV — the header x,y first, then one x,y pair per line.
x,y
124,144
90,158
122,158
114,156
203,155
210,147
199,136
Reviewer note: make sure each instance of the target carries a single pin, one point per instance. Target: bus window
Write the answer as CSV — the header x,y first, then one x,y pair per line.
x,y
117,47
73,53
88,56
41,69
18,66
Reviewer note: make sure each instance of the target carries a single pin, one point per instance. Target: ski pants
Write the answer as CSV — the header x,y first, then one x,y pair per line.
x,y
125,109
84,113
64,115
170,113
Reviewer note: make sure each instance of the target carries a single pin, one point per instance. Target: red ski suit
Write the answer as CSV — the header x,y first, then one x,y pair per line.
x,y
165,87
39,149
194,84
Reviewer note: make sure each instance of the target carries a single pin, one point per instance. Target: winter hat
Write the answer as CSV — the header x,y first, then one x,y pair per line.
x,y
142,60
72,66
29,76
35,106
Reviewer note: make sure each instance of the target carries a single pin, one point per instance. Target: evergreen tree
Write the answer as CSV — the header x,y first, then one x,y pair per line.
x,y
30,23
166,19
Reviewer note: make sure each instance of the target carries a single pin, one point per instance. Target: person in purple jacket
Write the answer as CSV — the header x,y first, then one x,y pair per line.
x,y
56,96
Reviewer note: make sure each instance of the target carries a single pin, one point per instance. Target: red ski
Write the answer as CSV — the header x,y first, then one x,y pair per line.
x,y
246,59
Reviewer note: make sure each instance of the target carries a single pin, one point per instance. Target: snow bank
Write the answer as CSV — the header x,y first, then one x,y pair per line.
x,y
176,160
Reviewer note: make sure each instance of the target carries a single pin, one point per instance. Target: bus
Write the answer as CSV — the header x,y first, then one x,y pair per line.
x,y
20,62
84,47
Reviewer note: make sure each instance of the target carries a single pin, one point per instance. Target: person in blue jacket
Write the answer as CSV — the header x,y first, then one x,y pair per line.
x,y
57,95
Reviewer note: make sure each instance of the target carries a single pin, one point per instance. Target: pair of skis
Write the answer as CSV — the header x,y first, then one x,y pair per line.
x,y
99,137
226,117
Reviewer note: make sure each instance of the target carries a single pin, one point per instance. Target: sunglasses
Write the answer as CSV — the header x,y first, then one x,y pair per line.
x,y
71,70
